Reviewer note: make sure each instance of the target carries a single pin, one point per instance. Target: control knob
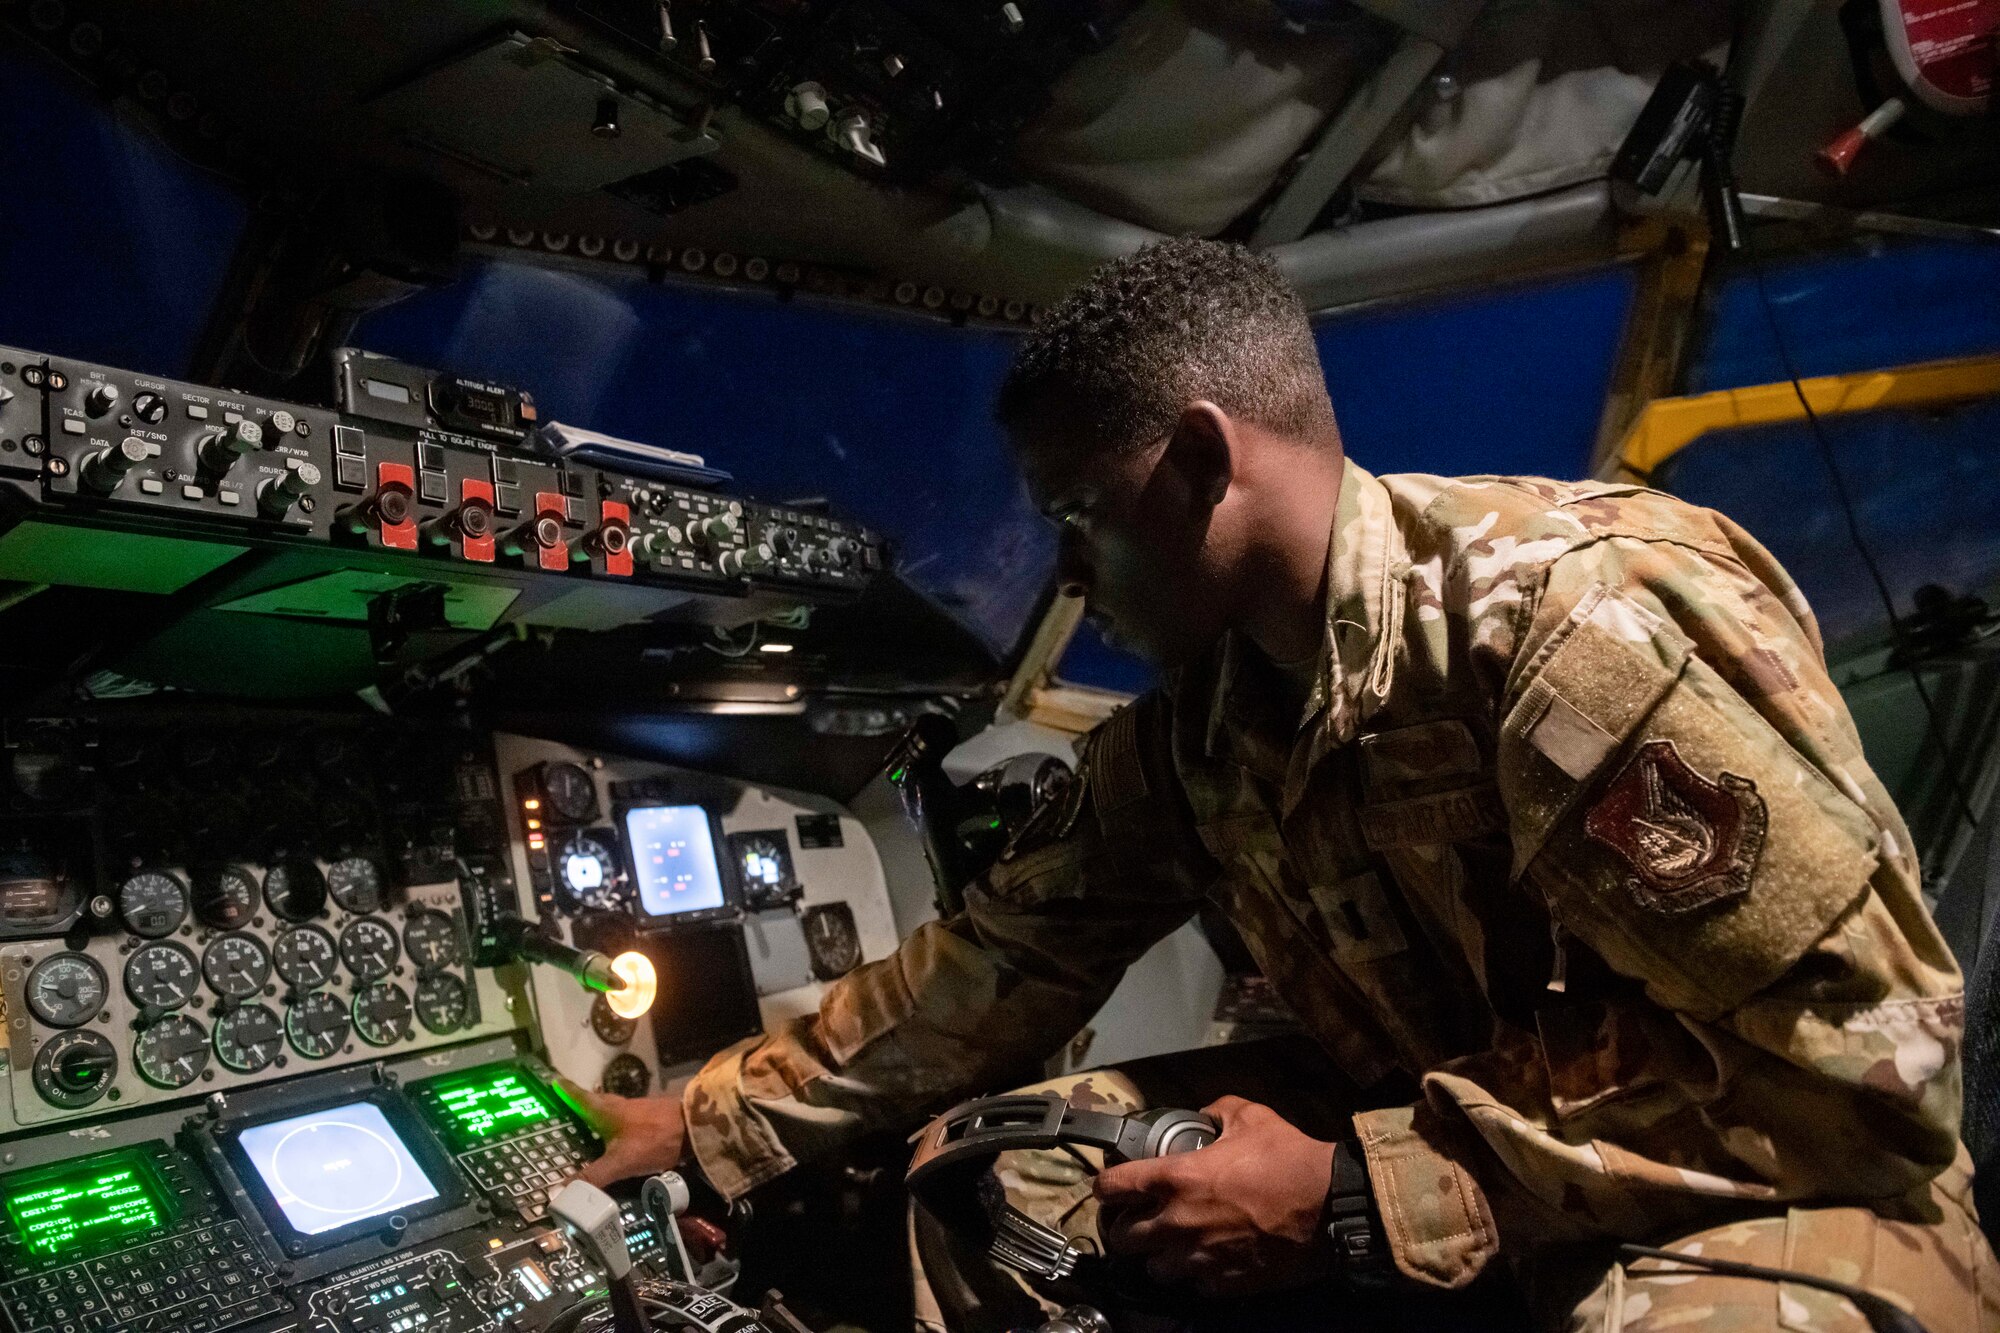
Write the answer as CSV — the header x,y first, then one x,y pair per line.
x,y
276,497
806,103
612,539
543,532
389,507
105,469
712,534
471,521
100,400
219,449
149,408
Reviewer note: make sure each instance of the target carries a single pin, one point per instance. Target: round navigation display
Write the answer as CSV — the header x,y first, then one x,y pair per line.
x,y
328,1169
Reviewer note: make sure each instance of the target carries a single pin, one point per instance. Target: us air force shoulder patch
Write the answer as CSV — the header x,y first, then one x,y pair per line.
x,y
1689,842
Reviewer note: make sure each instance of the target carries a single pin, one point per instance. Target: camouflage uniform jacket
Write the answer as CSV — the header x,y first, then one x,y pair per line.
x,y
1575,827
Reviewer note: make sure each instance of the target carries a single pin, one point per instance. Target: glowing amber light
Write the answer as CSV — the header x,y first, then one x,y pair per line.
x,y
534,823
531,804
636,997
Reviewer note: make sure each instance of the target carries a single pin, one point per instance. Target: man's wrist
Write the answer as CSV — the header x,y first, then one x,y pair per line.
x,y
1350,1222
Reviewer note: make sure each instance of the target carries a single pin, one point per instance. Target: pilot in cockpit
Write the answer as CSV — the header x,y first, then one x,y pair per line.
x,y
1534,802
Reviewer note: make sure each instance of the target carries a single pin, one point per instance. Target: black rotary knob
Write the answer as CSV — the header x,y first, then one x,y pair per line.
x,y
104,470
276,497
100,400
82,1067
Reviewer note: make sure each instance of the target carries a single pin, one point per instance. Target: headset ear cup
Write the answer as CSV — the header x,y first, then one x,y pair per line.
x,y
1172,1130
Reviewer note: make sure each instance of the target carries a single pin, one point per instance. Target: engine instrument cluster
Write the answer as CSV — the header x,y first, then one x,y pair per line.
x,y
271,899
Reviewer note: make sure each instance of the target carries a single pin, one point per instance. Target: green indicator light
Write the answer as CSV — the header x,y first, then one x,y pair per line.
x,y
76,1204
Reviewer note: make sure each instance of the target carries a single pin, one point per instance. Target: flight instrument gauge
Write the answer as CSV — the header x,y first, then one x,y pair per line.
x,y
588,872
318,1025
432,941
161,976
626,1075
66,989
571,792
441,1003
368,948
356,884
304,957
382,1013
295,889
248,1038
832,942
235,966
225,897
153,903
611,1028
74,1069
172,1052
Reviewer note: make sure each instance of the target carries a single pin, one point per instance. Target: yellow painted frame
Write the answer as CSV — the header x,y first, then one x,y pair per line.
x,y
1668,425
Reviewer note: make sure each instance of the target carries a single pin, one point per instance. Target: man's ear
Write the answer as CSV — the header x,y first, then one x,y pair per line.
x,y
1202,450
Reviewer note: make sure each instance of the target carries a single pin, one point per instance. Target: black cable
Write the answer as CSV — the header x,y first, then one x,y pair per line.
x,y
1853,520
1882,1315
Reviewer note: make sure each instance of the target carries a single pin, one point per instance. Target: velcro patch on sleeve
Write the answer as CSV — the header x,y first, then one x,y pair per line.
x,y
1711,882
1604,670
1117,777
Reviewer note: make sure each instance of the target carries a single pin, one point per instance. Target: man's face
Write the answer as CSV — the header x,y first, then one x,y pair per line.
x,y
1134,541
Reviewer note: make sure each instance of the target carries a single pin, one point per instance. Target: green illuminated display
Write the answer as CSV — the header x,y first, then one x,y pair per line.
x,y
490,1104
80,1204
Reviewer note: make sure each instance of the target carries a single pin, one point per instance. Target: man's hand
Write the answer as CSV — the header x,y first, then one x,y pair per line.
x,y
642,1135
1240,1215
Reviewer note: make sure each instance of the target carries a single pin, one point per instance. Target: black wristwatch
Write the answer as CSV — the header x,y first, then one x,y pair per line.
x,y
1352,1224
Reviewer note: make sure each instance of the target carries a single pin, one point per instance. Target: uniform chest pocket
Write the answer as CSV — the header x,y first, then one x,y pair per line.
x,y
1427,784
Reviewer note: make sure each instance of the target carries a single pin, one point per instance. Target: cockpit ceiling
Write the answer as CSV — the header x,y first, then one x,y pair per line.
x,y
971,157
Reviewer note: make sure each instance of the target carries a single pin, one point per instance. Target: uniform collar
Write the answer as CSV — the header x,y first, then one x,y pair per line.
x,y
1355,652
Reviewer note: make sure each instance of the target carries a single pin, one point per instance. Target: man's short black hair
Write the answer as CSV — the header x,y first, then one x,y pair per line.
x,y
1113,363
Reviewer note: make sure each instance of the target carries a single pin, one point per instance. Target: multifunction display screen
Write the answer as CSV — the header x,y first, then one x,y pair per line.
x,y
673,856
487,1104
82,1204
335,1167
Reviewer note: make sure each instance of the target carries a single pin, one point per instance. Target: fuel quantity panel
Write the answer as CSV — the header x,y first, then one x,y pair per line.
x,y
747,899
205,903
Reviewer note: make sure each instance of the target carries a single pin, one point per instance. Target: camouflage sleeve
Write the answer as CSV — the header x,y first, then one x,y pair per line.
x,y
1773,1018
1094,879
